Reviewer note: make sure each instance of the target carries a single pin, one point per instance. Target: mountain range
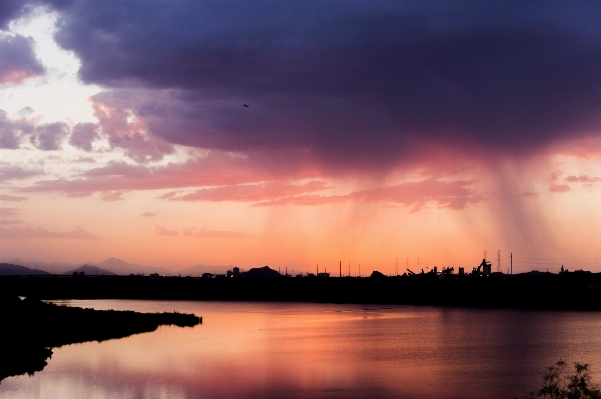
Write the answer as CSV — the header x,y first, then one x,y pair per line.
x,y
112,266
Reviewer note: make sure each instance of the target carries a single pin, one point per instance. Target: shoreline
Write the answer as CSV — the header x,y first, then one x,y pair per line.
x,y
573,291
31,328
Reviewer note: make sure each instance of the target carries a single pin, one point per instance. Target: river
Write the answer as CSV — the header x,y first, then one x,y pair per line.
x,y
304,350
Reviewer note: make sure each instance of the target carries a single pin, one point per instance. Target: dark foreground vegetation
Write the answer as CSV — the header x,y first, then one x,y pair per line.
x,y
560,383
30,328
573,291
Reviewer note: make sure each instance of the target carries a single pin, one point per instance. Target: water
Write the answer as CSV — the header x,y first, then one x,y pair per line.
x,y
282,350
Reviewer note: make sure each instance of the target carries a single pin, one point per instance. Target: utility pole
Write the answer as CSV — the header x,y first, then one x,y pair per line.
x,y
511,261
359,269
499,260
349,269
340,268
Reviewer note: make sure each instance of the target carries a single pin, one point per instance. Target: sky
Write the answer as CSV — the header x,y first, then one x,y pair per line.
x,y
384,135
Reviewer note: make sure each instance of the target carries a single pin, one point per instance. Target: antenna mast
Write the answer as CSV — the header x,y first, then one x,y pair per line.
x,y
499,260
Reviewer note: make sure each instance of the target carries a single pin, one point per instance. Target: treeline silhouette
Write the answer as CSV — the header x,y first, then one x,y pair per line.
x,y
30,328
578,291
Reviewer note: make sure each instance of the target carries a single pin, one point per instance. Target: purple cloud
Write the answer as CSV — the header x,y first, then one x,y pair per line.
x,y
17,59
356,87
17,173
83,135
49,137
11,132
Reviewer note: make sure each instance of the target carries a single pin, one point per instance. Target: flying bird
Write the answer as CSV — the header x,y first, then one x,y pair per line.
x,y
246,105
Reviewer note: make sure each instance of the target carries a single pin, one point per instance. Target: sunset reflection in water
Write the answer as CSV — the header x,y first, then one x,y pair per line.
x,y
275,350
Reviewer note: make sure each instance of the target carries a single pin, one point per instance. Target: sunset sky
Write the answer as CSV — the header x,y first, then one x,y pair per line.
x,y
430,130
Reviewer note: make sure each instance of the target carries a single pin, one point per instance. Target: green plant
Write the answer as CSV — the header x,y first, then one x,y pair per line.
x,y
559,383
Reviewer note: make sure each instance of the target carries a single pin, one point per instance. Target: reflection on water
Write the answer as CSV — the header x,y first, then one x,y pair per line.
x,y
275,350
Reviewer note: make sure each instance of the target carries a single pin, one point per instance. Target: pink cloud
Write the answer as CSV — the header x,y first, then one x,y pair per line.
x,y
445,194
248,192
39,232
220,234
216,169
9,212
111,196
165,232
148,215
583,179
123,129
10,221
204,233
13,198
559,188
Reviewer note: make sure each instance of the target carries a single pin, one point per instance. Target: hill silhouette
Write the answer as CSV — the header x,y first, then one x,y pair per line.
x,y
118,266
8,269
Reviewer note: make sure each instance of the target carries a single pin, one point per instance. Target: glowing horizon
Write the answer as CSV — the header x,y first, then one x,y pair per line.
x,y
360,144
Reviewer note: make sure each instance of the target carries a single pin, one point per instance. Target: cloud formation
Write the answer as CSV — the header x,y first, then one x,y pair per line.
x,y
30,233
49,137
357,86
586,180
559,188
12,198
165,232
416,195
9,212
17,59
17,173
83,135
247,192
12,132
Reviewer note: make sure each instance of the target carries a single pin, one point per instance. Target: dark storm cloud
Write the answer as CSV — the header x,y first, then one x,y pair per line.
x,y
357,83
17,59
9,10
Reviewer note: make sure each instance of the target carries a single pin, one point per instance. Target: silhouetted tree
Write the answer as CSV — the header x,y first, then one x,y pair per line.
x,y
558,383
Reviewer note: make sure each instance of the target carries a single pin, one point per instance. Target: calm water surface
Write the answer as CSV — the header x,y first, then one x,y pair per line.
x,y
282,350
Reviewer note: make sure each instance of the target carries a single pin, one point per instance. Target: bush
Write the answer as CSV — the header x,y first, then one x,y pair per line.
x,y
558,383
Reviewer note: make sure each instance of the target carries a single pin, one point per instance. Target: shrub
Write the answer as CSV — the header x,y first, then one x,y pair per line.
x,y
558,383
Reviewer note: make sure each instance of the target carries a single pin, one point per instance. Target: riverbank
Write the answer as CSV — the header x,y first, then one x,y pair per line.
x,y
567,291
30,328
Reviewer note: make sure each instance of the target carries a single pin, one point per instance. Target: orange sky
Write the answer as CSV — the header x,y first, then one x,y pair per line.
x,y
87,172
